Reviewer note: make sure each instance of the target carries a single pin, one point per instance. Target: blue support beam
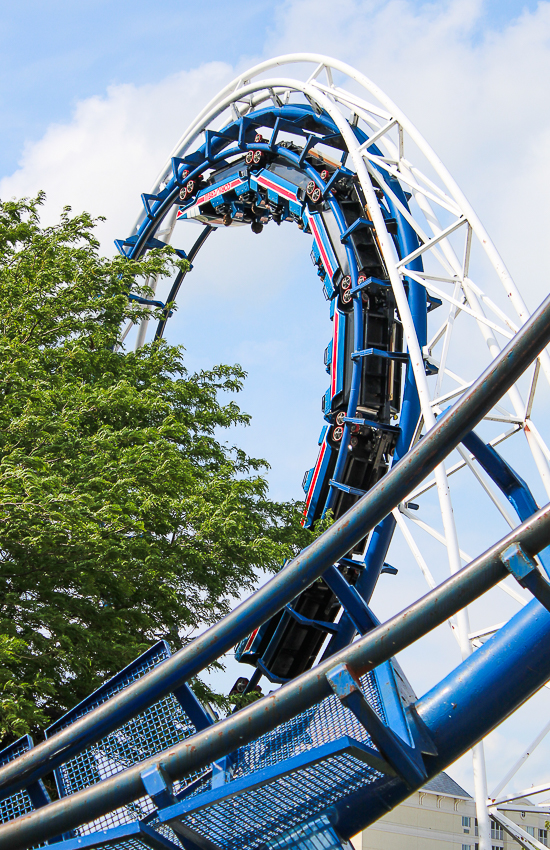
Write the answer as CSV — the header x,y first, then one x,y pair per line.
x,y
507,480
465,706
478,695
299,573
118,835
404,760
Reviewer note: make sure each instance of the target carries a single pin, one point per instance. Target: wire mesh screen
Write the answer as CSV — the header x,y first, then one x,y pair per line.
x,y
158,727
262,814
316,834
157,653
320,724
252,818
20,803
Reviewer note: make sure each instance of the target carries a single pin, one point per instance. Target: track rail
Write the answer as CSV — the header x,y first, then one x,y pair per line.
x,y
387,239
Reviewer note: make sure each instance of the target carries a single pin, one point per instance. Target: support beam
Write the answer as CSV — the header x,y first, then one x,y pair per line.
x,y
299,573
510,683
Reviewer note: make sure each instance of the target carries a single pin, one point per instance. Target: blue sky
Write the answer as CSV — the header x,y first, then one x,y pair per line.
x,y
54,54
93,95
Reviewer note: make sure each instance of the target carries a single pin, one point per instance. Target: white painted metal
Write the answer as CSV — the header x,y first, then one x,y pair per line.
x,y
520,835
520,762
526,792
448,230
542,809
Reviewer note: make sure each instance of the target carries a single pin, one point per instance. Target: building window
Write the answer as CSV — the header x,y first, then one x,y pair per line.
x,y
476,827
496,847
497,831
466,847
530,830
543,837
466,823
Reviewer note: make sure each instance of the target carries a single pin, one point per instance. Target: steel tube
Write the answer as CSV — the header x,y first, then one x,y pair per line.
x,y
311,563
207,746
465,706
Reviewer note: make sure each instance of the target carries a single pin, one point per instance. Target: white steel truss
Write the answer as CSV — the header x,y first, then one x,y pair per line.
x,y
481,305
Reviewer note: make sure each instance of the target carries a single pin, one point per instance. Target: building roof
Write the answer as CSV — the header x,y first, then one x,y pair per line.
x,y
443,784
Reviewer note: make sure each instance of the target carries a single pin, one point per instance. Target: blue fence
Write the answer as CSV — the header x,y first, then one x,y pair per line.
x,y
20,803
283,779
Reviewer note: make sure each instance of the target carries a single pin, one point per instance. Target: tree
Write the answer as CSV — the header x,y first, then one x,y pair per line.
x,y
123,518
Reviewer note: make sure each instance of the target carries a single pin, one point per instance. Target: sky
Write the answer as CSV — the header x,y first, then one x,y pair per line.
x,y
93,96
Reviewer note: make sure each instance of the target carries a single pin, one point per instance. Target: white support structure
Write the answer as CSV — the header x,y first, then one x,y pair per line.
x,y
523,838
526,792
451,238
520,762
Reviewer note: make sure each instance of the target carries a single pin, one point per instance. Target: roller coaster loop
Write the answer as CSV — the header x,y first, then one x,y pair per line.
x,y
342,737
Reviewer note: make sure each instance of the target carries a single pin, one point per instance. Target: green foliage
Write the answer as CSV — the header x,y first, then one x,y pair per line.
x,y
123,518
19,708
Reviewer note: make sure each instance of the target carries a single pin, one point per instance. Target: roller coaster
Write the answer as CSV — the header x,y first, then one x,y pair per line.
x,y
342,737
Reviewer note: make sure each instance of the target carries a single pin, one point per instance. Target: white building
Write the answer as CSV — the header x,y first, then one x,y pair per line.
x,y
442,817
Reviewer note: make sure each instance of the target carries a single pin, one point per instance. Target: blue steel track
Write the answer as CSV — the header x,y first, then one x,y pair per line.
x,y
141,763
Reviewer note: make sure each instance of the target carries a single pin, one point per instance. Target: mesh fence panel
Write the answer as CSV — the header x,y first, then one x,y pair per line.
x,y
318,725
135,671
316,834
253,817
157,728
20,803
261,814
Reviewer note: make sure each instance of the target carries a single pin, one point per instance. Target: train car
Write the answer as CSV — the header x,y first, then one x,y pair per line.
x,y
284,189
368,459
261,186
316,480
290,641
380,355
222,201
330,268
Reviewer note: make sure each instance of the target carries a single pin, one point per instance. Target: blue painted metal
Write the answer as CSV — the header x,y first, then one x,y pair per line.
x,y
315,762
283,724
379,543
158,786
320,746
130,836
271,768
403,760
21,801
327,549
167,722
525,571
351,600
315,834
464,707
322,625
376,352
509,482
514,488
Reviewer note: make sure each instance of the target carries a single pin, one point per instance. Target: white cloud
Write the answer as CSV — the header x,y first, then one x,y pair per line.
x,y
114,146
480,97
